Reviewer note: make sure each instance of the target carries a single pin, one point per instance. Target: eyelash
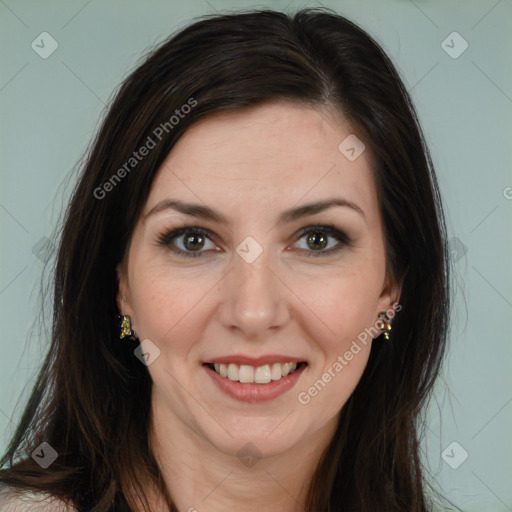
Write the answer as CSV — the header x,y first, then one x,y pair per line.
x,y
166,238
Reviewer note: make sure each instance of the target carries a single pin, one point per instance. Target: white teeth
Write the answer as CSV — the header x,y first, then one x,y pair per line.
x,y
233,372
285,369
262,374
246,373
250,374
276,371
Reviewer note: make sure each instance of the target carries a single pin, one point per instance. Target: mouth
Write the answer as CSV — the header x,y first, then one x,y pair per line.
x,y
247,383
264,374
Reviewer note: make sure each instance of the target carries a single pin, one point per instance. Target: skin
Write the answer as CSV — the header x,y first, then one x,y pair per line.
x,y
251,166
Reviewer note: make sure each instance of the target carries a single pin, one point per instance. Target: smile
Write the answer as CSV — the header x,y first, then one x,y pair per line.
x,y
250,374
252,384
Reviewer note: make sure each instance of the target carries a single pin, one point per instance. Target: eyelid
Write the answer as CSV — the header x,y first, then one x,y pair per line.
x,y
167,236
327,229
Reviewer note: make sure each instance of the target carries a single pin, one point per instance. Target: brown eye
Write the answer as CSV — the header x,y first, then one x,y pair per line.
x,y
317,241
190,242
193,242
318,238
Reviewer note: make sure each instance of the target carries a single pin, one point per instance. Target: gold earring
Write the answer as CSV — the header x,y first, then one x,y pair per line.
x,y
384,323
125,325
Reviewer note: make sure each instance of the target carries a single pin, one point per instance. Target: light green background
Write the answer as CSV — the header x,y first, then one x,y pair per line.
x,y
51,107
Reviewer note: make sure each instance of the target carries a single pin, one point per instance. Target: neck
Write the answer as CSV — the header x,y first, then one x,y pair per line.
x,y
201,478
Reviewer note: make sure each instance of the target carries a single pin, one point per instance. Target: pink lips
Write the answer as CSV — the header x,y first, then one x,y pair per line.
x,y
254,392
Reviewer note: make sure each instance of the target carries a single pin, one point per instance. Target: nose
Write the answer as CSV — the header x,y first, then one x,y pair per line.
x,y
255,299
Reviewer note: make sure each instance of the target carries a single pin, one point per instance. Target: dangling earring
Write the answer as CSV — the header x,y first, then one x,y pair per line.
x,y
384,323
125,326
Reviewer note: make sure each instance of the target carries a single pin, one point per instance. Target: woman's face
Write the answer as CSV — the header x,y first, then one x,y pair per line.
x,y
260,283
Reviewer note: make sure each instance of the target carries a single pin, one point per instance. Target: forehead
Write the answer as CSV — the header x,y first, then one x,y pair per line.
x,y
268,155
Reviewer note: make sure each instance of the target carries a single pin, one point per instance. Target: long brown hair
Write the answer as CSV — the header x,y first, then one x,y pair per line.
x,y
91,401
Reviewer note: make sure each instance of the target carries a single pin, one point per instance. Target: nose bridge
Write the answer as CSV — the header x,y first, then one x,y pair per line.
x,y
254,300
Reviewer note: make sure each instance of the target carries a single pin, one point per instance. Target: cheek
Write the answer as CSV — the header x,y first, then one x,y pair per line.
x,y
343,307
163,304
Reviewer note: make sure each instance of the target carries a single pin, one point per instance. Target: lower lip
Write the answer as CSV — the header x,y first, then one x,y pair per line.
x,y
255,392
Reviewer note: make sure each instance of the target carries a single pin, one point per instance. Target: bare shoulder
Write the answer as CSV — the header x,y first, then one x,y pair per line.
x,y
24,501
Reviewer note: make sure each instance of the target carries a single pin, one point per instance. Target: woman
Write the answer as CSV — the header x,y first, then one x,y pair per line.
x,y
201,359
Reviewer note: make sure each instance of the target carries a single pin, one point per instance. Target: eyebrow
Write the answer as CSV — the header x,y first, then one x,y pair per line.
x,y
293,214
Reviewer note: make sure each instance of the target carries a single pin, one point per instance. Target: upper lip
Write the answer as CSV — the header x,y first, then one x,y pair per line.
x,y
255,361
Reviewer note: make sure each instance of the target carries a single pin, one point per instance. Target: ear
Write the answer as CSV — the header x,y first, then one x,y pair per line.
x,y
122,296
389,297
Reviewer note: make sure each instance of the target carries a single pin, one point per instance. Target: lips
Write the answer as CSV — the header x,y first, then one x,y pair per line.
x,y
255,379
252,391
